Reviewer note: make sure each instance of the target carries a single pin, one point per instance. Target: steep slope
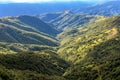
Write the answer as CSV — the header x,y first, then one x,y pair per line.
x,y
45,65
13,30
10,74
93,50
37,24
27,50
110,8
62,20
47,17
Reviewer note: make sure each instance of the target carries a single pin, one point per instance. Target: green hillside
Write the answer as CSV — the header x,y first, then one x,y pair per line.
x,y
66,19
93,50
26,30
9,48
39,25
31,49
44,65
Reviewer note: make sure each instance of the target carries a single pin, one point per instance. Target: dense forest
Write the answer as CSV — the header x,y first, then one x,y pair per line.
x,y
62,45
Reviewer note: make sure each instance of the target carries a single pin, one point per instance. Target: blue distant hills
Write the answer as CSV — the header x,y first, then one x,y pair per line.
x,y
109,8
60,41
15,9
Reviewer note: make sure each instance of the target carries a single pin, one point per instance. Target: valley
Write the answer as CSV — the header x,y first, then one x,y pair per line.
x,y
65,44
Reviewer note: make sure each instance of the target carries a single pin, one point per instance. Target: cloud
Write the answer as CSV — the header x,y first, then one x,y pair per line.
x,y
34,1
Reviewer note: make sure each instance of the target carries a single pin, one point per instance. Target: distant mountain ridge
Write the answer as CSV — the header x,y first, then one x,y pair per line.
x,y
66,19
38,24
16,9
109,8
79,44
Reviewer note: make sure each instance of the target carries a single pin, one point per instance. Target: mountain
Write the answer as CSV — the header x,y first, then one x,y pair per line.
x,y
16,9
87,52
28,50
63,20
26,31
38,24
93,50
109,8
60,45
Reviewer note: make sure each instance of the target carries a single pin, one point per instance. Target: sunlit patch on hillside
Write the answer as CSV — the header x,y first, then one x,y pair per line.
x,y
112,33
100,18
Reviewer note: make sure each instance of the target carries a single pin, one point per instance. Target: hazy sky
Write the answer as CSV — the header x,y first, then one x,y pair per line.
x,y
34,1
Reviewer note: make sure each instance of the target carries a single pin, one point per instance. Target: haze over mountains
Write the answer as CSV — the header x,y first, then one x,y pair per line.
x,y
111,8
60,41
16,9
66,19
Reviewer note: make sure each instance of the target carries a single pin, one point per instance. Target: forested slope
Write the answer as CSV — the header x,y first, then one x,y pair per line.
x,y
93,50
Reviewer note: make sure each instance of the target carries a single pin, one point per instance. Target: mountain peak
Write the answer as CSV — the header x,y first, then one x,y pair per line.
x,y
68,12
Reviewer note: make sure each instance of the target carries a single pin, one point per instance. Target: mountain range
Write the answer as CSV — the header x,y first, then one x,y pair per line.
x,y
63,20
93,50
61,44
111,8
108,8
27,31
16,9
